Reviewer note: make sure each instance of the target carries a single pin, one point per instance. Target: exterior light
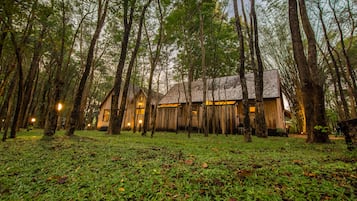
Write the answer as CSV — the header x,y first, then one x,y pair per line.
x,y
128,124
140,121
88,125
33,120
59,107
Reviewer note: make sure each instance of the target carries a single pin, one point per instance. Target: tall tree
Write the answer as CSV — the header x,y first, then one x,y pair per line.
x,y
123,101
74,117
260,124
336,74
204,71
58,83
114,124
312,89
241,70
154,56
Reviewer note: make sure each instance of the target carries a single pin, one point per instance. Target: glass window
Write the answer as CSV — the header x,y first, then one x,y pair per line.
x,y
106,115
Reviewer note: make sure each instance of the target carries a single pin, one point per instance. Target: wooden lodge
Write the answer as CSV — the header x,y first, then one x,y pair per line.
x,y
135,109
224,104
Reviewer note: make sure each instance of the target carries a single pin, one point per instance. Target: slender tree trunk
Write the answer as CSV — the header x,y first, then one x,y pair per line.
x,y
204,76
350,71
130,67
261,127
189,91
30,79
153,62
337,75
7,107
114,124
74,117
2,37
52,116
241,70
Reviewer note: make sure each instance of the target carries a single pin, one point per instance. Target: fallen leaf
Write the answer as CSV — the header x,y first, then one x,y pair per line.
x,y
297,162
204,165
244,173
189,162
121,189
256,166
115,159
310,174
62,180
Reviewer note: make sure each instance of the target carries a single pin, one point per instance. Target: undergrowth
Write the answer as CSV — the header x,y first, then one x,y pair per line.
x,y
95,166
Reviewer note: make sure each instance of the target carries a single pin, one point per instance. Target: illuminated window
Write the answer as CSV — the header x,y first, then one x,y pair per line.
x,y
106,115
194,109
140,111
252,109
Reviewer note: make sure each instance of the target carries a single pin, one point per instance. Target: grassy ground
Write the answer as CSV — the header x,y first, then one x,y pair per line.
x,y
96,166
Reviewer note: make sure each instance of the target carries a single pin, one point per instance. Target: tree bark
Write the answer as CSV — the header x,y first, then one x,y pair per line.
x,y
337,75
349,71
29,84
261,127
114,124
19,87
204,76
74,117
311,89
52,116
241,70
130,67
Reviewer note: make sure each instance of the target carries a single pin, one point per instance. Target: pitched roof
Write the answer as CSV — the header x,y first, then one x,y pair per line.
x,y
225,88
133,91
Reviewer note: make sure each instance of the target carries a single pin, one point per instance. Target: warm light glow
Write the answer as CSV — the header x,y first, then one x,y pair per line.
x,y
128,124
169,105
140,121
140,104
252,109
59,106
220,102
88,125
33,120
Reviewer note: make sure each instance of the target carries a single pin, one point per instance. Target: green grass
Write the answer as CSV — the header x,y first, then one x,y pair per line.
x,y
97,166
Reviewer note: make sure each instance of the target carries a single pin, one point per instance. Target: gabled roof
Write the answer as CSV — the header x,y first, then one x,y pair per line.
x,y
225,88
132,93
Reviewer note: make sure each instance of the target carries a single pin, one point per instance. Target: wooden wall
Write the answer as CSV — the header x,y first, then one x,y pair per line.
x,y
133,114
222,118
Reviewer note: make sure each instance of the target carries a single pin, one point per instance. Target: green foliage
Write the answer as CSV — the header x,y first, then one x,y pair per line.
x,y
182,31
96,166
322,129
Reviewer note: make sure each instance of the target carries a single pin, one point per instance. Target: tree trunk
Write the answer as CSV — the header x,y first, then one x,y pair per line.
x,y
114,124
241,70
19,86
312,92
204,77
52,116
30,80
130,67
337,76
349,68
74,117
261,127
189,91
7,107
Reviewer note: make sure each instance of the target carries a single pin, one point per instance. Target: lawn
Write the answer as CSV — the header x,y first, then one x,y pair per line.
x,y
96,166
